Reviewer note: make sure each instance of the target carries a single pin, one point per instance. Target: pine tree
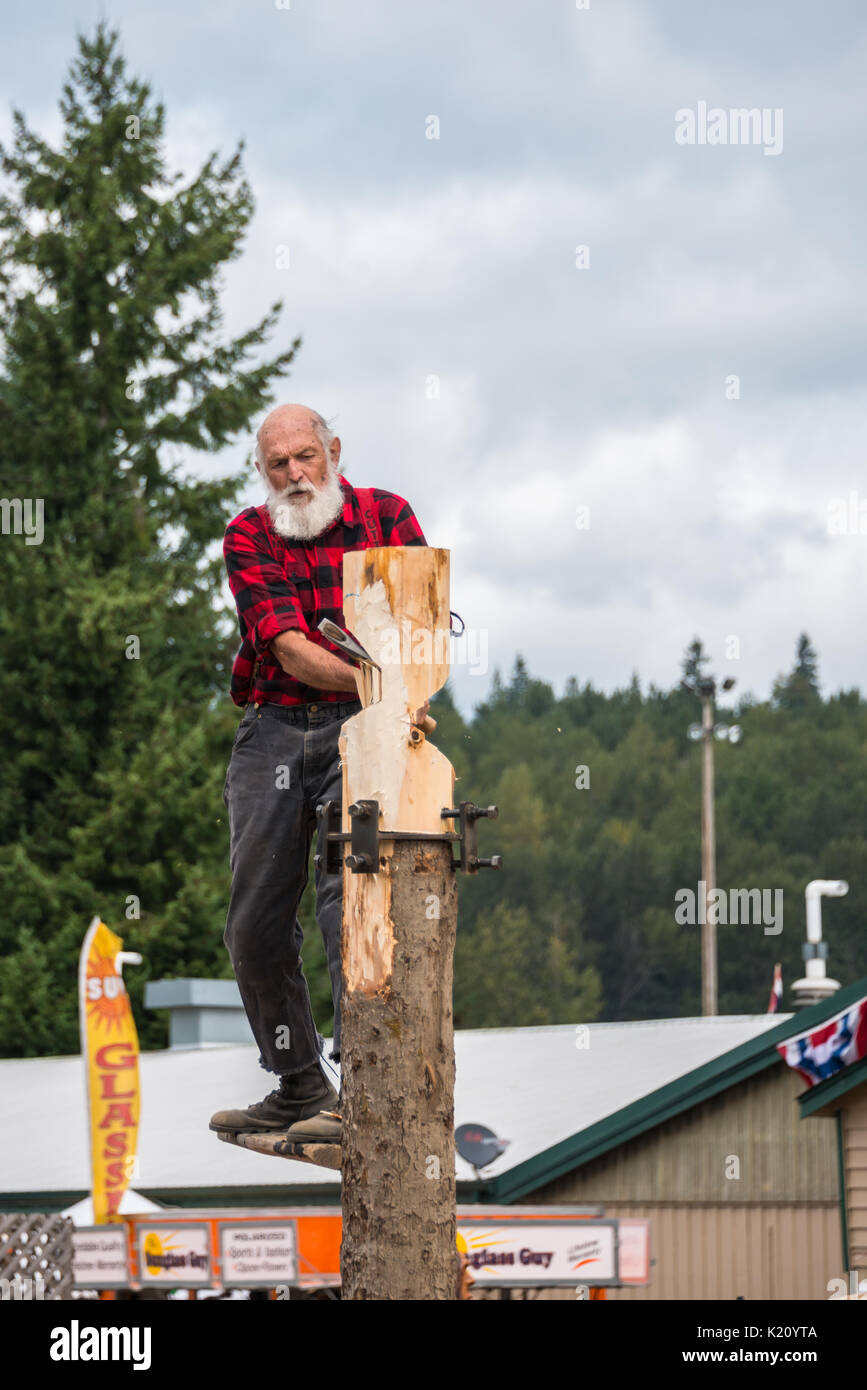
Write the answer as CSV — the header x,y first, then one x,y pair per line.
x,y
518,682
114,637
799,690
512,972
695,661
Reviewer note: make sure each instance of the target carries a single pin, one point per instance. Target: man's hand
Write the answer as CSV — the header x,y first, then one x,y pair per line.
x,y
419,716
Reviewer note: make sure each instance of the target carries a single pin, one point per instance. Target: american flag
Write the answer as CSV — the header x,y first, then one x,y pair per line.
x,y
776,998
825,1051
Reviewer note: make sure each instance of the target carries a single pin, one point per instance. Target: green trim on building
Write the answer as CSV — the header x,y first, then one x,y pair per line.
x,y
732,1068
833,1089
841,1173
308,1195
40,1201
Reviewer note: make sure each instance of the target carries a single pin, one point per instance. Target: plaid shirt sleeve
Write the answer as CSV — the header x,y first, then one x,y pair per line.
x,y
267,600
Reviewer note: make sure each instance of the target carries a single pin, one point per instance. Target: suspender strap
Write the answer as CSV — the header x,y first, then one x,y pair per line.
x,y
369,515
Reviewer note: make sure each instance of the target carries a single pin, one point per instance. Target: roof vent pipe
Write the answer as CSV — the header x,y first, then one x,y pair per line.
x,y
816,985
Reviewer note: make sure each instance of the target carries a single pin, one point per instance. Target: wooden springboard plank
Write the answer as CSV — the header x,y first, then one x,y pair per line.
x,y
320,1155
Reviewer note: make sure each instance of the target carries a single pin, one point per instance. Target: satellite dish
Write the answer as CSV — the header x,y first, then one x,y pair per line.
x,y
479,1145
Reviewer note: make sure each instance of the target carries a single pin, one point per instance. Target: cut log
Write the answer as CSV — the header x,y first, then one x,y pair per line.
x,y
397,1047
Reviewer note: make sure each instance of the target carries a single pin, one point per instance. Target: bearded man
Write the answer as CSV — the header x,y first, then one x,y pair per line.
x,y
285,566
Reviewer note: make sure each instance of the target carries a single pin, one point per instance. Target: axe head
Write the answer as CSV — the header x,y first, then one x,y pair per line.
x,y
346,642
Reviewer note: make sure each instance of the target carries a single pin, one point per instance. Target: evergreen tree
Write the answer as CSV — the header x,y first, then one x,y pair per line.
x,y
799,690
515,973
695,661
114,639
519,681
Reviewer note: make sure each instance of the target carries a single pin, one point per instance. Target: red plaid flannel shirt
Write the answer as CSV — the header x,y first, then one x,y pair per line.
x,y
280,584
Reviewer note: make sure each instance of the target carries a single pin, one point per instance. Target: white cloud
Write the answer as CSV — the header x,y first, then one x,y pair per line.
x,y
412,259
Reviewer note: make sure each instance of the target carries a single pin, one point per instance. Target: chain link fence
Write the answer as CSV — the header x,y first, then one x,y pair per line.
x,y
35,1256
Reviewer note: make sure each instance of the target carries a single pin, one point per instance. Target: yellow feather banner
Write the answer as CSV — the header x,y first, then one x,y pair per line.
x,y
109,1048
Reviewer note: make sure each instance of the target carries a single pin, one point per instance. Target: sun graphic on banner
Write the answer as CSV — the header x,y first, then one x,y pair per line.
x,y
480,1240
155,1247
106,993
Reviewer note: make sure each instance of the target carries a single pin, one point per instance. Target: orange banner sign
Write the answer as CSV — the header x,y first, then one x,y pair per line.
x,y
109,1047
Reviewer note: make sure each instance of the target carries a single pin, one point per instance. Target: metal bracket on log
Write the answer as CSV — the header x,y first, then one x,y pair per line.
x,y
365,836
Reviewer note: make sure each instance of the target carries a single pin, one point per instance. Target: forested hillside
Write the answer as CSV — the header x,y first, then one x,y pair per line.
x,y
580,924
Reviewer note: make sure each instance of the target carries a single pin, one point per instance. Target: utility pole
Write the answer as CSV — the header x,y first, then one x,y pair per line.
x,y
709,990
399,922
705,688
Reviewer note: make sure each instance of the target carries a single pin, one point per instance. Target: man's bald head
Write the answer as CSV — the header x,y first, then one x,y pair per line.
x,y
295,423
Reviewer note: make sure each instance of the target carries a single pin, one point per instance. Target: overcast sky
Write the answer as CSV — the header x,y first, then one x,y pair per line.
x,y
606,385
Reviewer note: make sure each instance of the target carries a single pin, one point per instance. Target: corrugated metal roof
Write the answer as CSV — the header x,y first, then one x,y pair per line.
x,y
699,1083
532,1086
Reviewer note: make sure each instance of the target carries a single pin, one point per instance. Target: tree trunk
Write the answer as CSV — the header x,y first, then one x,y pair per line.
x,y
397,1058
397,1046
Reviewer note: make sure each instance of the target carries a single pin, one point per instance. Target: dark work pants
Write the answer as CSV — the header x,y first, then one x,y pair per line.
x,y
285,761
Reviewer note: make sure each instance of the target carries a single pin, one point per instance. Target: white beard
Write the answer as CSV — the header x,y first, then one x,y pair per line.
x,y
301,521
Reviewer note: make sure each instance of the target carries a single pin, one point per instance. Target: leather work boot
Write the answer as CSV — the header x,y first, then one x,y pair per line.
x,y
324,1128
297,1098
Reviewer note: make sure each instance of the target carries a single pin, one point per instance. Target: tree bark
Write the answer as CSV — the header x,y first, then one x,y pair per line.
x,y
397,1046
397,1059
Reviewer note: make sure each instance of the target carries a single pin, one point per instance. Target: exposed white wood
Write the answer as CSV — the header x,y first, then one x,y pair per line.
x,y
396,602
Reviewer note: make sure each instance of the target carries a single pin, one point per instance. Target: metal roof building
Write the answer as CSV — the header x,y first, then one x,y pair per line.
x,y
692,1123
533,1086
